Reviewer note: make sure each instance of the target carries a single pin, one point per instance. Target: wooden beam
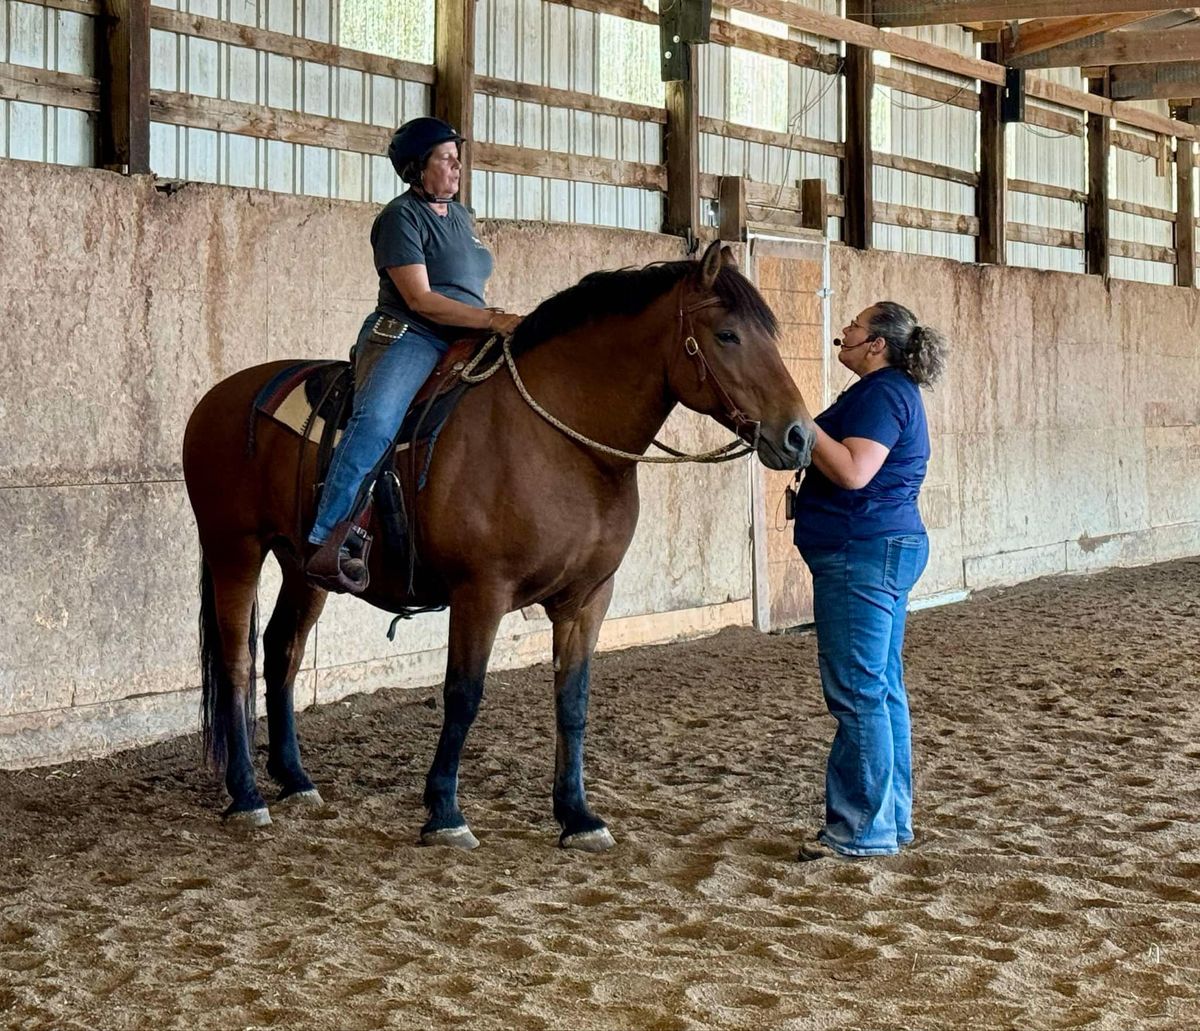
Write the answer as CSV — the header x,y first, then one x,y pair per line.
x,y
963,96
991,195
1130,207
454,92
1142,251
1185,222
857,169
287,45
1099,143
814,204
1047,190
792,51
1105,49
731,195
123,68
681,144
1055,121
1029,37
40,86
917,166
1045,236
833,27
1170,81
267,123
1044,89
633,10
549,164
921,218
571,99
891,13
771,137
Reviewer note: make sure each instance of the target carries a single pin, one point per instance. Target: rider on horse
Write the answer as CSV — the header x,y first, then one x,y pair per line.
x,y
432,272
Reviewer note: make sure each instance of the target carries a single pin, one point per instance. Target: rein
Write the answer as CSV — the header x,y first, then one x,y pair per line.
x,y
747,429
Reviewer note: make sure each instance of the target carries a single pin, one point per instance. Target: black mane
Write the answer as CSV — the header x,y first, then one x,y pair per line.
x,y
631,290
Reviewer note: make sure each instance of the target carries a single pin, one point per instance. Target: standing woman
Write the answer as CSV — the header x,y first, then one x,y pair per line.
x,y
860,533
432,270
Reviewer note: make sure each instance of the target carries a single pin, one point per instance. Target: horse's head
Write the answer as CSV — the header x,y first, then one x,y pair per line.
x,y
729,366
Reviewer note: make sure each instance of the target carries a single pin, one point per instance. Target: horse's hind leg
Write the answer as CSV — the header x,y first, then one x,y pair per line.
x,y
574,642
474,620
296,610
228,642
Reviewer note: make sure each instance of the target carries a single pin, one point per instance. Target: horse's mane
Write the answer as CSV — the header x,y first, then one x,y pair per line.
x,y
628,291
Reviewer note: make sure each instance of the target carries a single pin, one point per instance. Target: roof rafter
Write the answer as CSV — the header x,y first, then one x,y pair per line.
x,y
892,13
1170,81
1131,47
1020,38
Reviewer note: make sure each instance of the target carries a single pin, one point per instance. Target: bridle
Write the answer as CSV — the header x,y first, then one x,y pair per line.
x,y
747,430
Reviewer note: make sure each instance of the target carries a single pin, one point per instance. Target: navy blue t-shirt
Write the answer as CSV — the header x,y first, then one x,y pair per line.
x,y
886,407
409,232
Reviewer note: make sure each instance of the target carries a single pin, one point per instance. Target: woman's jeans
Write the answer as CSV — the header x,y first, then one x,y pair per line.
x,y
380,403
860,598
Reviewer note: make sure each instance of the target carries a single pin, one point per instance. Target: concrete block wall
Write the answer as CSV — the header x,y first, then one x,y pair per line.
x,y
120,305
1066,435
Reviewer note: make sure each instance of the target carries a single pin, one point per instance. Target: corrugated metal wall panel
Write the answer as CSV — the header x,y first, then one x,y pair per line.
x,y
915,127
1046,156
811,108
193,65
62,41
546,44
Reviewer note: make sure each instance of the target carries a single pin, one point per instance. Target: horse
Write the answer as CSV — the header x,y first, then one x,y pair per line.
x,y
520,508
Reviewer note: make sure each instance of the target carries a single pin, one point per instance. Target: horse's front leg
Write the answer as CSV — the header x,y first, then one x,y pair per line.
x,y
474,619
574,641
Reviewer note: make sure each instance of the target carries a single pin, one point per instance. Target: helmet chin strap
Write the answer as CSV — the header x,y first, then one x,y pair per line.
x,y
432,199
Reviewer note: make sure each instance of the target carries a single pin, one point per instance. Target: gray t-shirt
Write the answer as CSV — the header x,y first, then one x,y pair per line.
x,y
409,232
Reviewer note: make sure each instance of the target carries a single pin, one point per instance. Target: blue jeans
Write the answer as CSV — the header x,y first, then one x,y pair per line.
x,y
380,404
860,599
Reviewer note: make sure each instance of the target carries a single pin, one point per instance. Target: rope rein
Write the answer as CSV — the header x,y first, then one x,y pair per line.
x,y
727,453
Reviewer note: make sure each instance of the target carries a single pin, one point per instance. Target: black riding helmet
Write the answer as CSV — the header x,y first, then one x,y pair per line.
x,y
414,141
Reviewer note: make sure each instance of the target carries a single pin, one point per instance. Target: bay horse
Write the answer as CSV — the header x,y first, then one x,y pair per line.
x,y
515,512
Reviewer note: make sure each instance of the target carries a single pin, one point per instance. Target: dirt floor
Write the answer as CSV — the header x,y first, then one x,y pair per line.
x,y
1054,882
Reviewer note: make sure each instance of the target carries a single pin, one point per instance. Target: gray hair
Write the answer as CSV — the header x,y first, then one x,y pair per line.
x,y
919,350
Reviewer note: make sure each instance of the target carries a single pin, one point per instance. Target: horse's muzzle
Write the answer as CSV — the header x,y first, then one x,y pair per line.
x,y
791,450
800,437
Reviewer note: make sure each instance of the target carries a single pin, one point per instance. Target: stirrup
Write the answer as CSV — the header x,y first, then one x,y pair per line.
x,y
340,564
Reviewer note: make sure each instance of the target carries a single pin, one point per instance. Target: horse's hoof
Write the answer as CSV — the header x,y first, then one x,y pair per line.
x,y
599,840
249,818
454,837
311,798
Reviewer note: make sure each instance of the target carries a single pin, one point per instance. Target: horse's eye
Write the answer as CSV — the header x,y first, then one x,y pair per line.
x,y
728,338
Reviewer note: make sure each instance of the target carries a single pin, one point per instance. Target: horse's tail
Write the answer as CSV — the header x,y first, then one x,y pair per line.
x,y
216,685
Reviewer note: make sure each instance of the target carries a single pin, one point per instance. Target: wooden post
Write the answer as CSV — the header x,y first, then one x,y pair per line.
x,y
683,154
732,199
123,67
858,166
454,92
1099,146
1185,217
814,203
991,193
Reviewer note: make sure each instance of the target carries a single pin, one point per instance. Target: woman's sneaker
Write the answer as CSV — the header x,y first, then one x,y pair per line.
x,y
814,848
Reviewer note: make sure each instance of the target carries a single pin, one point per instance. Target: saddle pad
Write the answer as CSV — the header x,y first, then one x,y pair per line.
x,y
285,397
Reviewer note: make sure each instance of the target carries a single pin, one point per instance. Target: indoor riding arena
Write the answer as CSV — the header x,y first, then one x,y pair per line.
x,y
187,191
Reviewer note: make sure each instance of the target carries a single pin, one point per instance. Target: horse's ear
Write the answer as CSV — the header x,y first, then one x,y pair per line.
x,y
711,264
727,258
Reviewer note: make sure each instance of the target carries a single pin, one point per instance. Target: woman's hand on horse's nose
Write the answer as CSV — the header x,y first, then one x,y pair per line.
x,y
505,322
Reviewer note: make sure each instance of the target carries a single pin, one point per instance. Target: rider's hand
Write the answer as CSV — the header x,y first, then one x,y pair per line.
x,y
504,322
